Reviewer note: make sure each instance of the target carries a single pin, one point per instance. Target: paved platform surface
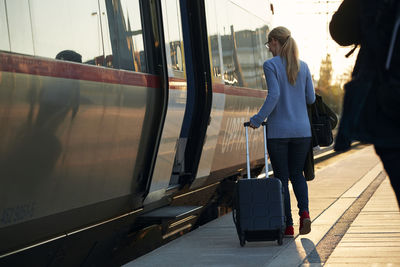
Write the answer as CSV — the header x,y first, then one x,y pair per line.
x,y
355,222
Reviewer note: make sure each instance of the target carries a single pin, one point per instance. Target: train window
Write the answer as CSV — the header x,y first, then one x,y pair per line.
x,y
214,39
173,38
243,46
230,33
227,46
19,28
103,32
125,28
236,46
5,37
133,22
59,25
261,53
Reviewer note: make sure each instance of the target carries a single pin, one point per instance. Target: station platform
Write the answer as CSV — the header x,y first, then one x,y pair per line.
x,y
355,222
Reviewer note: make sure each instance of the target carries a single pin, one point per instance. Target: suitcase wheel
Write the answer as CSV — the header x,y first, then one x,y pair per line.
x,y
280,239
242,240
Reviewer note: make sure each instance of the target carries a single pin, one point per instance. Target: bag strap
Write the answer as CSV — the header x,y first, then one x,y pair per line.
x,y
317,106
394,37
316,113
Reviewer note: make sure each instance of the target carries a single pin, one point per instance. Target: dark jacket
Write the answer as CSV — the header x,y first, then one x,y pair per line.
x,y
323,110
365,116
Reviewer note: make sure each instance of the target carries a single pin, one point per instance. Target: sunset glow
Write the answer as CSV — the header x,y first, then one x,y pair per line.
x,y
308,21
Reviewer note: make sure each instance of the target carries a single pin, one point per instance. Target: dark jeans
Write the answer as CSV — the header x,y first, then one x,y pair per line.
x,y
287,157
391,162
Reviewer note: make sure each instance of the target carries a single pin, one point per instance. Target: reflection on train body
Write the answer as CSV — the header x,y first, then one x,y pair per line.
x,y
151,117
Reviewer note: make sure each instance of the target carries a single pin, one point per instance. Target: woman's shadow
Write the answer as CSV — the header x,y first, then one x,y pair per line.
x,y
311,251
34,150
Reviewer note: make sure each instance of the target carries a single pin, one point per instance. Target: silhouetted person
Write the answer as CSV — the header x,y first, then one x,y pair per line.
x,y
371,107
34,152
55,102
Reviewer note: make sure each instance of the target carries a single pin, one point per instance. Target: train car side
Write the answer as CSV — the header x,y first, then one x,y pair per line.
x,y
150,119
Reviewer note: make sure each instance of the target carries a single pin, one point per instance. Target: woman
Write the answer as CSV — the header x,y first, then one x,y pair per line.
x,y
290,89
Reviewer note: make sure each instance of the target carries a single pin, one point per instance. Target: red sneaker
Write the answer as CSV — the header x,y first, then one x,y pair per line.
x,y
289,232
305,223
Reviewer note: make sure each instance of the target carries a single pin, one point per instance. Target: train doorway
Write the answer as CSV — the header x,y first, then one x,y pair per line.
x,y
199,93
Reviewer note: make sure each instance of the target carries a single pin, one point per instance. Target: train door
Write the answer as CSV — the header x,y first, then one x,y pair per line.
x,y
177,93
199,98
189,101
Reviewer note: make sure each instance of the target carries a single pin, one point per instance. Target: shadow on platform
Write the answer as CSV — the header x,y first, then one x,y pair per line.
x,y
311,250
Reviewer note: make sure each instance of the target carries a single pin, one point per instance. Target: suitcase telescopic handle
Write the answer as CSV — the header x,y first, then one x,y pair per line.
x,y
264,124
246,126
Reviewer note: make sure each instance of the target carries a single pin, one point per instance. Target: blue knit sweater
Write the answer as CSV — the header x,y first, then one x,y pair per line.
x,y
285,105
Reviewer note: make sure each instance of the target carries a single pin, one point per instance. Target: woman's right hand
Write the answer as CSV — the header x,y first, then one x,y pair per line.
x,y
253,126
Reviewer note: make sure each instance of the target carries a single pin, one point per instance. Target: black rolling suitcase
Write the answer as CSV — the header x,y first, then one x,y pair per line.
x,y
258,211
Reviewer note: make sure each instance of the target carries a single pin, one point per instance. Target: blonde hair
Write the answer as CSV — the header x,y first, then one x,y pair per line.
x,y
289,51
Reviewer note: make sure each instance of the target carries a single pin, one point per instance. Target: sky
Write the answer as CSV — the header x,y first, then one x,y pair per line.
x,y
308,21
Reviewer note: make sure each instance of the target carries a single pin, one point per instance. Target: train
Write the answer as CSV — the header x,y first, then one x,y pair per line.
x,y
121,122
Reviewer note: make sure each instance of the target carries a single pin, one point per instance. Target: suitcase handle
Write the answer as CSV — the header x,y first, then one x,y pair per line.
x,y
246,126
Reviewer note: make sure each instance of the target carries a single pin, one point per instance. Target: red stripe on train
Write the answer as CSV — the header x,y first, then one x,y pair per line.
x,y
177,84
71,70
238,91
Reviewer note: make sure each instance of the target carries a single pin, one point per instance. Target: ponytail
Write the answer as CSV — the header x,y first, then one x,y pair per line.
x,y
289,52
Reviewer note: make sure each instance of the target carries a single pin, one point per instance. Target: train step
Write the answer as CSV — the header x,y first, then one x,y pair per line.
x,y
169,213
172,219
